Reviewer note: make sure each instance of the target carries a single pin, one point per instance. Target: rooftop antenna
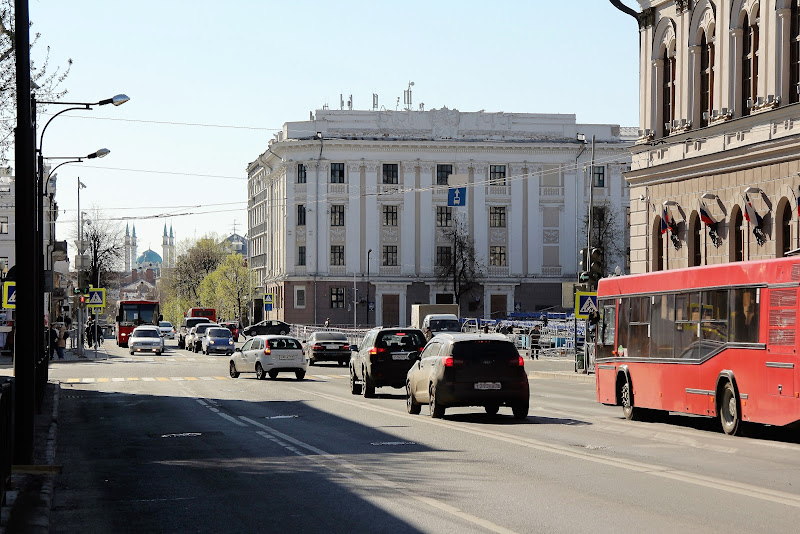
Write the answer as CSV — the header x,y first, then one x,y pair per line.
x,y
350,103
407,96
341,101
374,101
397,106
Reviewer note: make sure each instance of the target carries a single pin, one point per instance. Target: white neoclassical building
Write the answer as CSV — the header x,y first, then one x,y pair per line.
x,y
348,210
719,128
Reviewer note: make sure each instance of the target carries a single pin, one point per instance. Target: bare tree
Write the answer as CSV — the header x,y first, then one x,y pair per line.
x,y
461,269
104,245
44,78
606,232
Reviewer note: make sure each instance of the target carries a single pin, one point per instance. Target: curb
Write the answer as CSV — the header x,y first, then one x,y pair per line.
x,y
573,377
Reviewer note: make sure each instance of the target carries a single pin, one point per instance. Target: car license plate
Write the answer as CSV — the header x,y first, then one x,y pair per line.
x,y
286,357
400,356
487,385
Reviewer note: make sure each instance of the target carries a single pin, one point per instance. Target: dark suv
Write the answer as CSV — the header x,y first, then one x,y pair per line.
x,y
267,327
186,324
383,359
468,369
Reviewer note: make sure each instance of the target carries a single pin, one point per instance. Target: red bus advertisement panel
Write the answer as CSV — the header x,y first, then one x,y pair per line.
x,y
210,313
719,340
132,313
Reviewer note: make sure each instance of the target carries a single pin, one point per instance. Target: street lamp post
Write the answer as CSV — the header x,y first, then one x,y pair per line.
x,y
79,310
369,252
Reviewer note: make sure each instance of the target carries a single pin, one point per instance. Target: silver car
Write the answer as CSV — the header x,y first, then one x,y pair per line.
x,y
166,329
269,355
146,339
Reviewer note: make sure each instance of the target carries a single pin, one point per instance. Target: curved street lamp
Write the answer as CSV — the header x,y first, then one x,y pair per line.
x,y
103,152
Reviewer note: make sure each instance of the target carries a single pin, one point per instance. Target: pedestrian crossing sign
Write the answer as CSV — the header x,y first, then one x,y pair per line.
x,y
97,298
268,300
585,303
9,295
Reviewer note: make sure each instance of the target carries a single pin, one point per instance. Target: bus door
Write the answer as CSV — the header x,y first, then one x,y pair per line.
x,y
606,369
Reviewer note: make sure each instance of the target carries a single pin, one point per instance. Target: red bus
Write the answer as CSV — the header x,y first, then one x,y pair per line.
x,y
210,313
719,340
132,313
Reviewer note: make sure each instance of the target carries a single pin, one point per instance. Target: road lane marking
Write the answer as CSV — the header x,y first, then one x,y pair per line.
x,y
133,378
118,380
162,379
73,380
276,436
177,378
87,380
190,377
738,488
206,377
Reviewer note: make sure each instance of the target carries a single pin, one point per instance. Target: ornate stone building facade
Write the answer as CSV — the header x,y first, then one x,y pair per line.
x,y
715,169
359,200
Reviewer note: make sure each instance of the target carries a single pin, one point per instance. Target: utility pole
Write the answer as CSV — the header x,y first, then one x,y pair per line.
x,y
591,202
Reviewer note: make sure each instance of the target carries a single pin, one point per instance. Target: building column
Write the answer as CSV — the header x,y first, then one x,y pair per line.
x,y
353,250
696,107
407,214
783,54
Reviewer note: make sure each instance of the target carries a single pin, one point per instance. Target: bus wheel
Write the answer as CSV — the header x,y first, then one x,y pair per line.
x,y
630,412
729,412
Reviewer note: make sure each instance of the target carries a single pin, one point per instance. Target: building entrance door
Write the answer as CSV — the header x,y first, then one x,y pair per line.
x,y
391,310
498,307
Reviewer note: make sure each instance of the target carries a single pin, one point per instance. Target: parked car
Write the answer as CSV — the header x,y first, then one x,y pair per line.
x,y
217,340
166,329
267,327
269,355
233,326
383,359
186,324
328,347
467,369
146,339
200,330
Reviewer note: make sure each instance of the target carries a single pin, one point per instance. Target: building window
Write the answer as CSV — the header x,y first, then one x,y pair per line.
x,y
337,297
301,215
737,239
497,217
749,64
444,256
390,174
497,256
301,255
337,215
299,297
301,173
337,173
4,225
668,92
337,255
442,172
785,231
794,45
389,255
497,175
444,216
599,176
390,215
696,257
706,80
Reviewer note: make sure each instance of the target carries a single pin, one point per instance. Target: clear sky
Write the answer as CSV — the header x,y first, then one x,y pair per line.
x,y
210,82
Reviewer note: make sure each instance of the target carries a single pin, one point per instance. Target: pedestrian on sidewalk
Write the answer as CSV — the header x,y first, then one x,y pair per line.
x,y
62,341
53,340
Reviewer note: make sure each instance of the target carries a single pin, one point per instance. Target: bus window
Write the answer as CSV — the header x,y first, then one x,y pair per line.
x,y
622,327
714,325
638,338
744,315
687,319
662,326
606,328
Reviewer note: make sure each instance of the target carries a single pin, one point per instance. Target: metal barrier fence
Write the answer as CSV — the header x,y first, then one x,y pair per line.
x,y
303,332
6,433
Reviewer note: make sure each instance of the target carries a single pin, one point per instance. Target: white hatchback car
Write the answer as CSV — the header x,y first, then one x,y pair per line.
x,y
269,355
146,339
166,329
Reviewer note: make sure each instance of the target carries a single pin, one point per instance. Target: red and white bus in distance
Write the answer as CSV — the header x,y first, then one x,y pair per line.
x,y
132,313
718,340
209,313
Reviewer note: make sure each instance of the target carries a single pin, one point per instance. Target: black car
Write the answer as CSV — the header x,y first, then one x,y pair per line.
x,y
468,370
328,347
267,327
186,324
383,359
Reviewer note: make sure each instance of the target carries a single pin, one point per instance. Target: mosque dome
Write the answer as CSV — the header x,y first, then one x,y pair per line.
x,y
149,258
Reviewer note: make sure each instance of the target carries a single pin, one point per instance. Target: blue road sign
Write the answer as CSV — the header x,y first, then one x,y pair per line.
x,y
268,301
97,298
457,196
587,304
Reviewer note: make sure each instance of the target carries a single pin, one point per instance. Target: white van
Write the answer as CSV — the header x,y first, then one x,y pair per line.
x,y
440,322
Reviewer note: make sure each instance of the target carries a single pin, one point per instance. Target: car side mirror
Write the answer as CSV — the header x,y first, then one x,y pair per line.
x,y
354,348
415,356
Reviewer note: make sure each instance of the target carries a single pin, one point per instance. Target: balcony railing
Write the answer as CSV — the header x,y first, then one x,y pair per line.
x,y
551,191
498,190
551,270
340,189
498,270
390,269
337,269
388,189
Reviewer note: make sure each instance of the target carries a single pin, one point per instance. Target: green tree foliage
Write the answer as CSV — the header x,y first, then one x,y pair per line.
x,y
197,262
228,288
43,75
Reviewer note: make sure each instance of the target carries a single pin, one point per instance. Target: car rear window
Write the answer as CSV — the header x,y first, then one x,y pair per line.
x,y
330,336
201,328
284,344
401,340
485,348
165,323
146,333
445,325
219,332
194,321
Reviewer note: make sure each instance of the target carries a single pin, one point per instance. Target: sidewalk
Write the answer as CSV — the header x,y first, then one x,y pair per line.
x,y
562,368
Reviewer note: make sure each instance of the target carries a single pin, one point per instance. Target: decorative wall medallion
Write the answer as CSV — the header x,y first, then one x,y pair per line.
x,y
498,236
337,234
445,123
550,237
390,235
300,233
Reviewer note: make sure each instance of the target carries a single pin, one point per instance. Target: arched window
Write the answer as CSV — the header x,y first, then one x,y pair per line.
x,y
706,80
783,238
736,239
749,63
794,55
658,246
668,91
695,254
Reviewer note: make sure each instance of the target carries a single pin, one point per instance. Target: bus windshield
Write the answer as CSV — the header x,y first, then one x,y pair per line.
x,y
137,313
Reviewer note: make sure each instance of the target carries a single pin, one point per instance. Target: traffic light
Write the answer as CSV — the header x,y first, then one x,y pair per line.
x,y
83,283
584,259
83,300
596,266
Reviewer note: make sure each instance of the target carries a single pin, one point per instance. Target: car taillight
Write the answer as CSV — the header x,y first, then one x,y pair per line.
x,y
520,362
317,347
376,350
345,347
267,351
448,361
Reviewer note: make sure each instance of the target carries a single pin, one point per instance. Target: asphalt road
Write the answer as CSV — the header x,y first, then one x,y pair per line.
x,y
171,443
